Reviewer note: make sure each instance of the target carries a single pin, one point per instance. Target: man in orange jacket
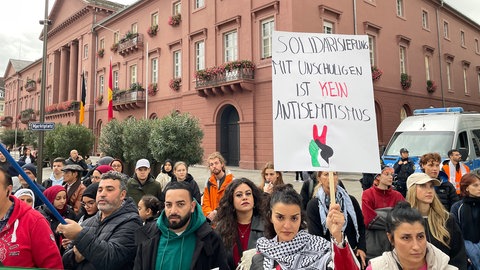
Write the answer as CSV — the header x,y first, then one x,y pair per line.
x,y
216,185
454,168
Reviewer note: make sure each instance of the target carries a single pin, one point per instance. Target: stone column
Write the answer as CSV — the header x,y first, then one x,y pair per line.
x,y
63,91
55,76
73,94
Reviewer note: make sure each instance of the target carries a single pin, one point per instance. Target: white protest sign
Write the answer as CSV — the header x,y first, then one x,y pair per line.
x,y
323,106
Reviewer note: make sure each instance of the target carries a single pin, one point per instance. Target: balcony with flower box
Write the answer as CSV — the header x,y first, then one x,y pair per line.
x,y
130,43
30,86
229,78
27,116
6,121
63,110
129,99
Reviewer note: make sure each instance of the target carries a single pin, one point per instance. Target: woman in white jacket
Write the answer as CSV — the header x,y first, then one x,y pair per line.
x,y
411,251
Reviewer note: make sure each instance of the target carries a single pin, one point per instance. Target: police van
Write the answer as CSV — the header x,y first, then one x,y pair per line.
x,y
437,130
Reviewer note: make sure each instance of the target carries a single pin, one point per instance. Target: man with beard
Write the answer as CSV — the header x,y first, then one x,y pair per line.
x,y
216,185
183,239
106,240
455,168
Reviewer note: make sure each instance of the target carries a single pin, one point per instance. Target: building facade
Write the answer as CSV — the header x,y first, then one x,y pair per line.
x,y
197,56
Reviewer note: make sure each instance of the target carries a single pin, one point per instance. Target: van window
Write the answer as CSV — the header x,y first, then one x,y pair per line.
x,y
476,141
462,141
421,142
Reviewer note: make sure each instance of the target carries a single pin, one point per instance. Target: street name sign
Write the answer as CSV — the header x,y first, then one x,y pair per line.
x,y
37,126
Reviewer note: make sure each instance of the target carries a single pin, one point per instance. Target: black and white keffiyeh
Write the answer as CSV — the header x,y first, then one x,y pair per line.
x,y
305,251
346,206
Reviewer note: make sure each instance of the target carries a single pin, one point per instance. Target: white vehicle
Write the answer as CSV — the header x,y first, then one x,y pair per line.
x,y
437,130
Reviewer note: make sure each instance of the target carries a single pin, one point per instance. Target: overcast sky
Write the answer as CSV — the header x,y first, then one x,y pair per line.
x,y
21,29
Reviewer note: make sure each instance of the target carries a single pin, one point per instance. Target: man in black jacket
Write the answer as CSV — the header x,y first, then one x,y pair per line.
x,y
403,169
106,240
182,238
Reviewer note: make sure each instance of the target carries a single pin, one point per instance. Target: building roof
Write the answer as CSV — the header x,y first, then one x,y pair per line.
x,y
18,65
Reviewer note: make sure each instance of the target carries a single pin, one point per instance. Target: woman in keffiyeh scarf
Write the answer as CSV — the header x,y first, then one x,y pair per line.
x,y
288,245
317,211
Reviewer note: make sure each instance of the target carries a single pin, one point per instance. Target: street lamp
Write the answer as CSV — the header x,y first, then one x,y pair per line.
x,y
45,22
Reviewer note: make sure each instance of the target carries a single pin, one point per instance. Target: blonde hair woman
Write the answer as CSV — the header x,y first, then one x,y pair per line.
x,y
441,229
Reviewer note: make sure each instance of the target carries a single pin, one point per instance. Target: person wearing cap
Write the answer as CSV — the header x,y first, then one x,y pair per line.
x,y
455,168
403,169
56,178
377,201
143,183
430,164
441,229
31,171
72,174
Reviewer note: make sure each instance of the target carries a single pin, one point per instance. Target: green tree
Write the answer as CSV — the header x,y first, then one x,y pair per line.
x,y
136,135
177,137
110,141
60,141
8,137
31,138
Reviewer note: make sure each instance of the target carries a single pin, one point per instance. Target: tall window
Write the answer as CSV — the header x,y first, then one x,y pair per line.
x,y
477,48
101,85
115,80
371,48
267,32
177,8
465,81
116,37
154,19
462,38
102,44
425,19
445,30
400,12
133,74
85,51
134,28
50,69
403,59
327,27
154,70
478,81
230,46
200,55
199,3
427,67
449,75
177,64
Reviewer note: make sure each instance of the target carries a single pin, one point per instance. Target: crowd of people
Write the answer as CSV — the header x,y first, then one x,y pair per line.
x,y
114,221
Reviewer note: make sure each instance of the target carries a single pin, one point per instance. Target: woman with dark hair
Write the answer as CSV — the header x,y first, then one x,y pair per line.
x,y
27,157
166,174
270,178
317,211
467,215
117,165
240,218
287,245
149,209
406,232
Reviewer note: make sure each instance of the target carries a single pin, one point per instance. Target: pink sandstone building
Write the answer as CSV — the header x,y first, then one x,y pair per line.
x,y
160,45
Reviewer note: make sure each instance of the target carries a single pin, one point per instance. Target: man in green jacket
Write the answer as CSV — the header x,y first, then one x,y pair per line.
x,y
143,183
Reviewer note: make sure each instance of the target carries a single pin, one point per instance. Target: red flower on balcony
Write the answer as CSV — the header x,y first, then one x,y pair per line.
x,y
376,73
175,84
431,86
175,20
152,30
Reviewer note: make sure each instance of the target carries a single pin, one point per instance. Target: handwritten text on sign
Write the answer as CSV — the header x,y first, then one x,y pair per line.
x,y
323,107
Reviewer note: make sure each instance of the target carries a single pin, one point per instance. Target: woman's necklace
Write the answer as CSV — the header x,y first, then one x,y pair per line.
x,y
242,233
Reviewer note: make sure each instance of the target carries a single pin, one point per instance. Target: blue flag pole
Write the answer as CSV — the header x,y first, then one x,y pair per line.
x,y
32,185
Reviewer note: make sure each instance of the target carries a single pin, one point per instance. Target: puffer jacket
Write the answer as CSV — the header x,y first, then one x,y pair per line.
x,y
446,192
109,243
213,194
150,187
193,185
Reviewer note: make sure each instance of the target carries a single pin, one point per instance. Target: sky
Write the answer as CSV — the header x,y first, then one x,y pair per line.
x,y
21,29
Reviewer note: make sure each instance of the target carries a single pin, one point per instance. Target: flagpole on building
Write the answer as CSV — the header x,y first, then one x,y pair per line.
x,y
110,92
146,82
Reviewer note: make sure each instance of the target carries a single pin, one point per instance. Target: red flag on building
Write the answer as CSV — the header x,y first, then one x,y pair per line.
x,y
110,93
82,101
